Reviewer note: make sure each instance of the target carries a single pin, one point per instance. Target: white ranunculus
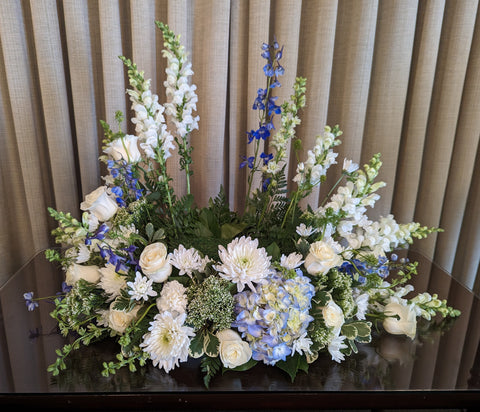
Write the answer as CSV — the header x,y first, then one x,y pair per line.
x,y
407,322
333,316
155,262
100,203
322,257
119,320
124,148
76,272
232,349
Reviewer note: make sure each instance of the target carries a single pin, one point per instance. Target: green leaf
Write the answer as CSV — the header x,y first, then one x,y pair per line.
x,y
230,230
149,230
293,364
349,331
211,344
274,251
245,367
196,345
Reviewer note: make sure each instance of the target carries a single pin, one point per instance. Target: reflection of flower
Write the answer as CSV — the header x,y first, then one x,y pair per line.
x,y
167,341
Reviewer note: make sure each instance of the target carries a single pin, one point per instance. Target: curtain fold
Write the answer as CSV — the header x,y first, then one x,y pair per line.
x,y
399,77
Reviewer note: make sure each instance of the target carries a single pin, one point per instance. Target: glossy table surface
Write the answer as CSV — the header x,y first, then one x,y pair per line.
x,y
440,368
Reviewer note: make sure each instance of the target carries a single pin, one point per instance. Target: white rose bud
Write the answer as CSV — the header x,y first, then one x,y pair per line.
x,y
155,262
124,148
407,322
232,349
100,204
119,320
321,258
333,316
76,272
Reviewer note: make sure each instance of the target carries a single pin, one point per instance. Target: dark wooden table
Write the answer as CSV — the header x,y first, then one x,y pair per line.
x,y
439,369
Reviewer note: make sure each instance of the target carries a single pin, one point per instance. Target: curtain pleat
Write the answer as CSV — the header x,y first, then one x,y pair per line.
x,y
399,78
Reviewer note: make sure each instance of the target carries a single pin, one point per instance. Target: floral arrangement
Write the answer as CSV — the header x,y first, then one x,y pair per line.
x,y
276,284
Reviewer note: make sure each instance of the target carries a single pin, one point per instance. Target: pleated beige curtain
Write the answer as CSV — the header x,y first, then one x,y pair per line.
x,y
399,77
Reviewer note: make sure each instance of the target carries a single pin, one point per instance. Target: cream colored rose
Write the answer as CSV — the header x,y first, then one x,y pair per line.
x,y
333,316
155,262
322,257
76,272
233,350
124,148
119,320
100,203
407,322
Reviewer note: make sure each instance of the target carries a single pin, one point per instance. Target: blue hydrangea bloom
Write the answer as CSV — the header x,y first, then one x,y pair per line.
x,y
272,317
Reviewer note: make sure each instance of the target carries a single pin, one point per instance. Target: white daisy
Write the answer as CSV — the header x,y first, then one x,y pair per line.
x,y
305,231
167,341
292,261
186,260
243,262
141,287
173,298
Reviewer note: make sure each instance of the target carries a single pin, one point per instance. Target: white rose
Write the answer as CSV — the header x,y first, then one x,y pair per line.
x,y
155,262
333,316
76,272
407,322
119,320
125,148
322,257
100,204
233,350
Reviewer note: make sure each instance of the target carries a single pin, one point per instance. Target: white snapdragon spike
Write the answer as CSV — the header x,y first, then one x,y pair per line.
x,y
182,99
319,160
150,123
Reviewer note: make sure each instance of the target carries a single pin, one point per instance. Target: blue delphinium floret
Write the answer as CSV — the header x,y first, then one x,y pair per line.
x,y
273,317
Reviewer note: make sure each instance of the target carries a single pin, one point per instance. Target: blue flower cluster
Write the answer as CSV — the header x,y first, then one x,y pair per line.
x,y
120,262
265,102
122,172
358,268
273,317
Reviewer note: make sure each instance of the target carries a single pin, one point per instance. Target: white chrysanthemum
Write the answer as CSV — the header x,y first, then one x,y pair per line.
x,y
292,261
302,345
243,262
167,341
335,347
186,260
111,282
362,305
141,287
173,298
